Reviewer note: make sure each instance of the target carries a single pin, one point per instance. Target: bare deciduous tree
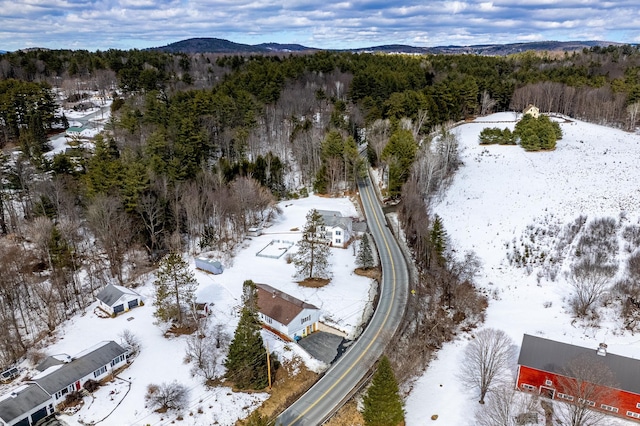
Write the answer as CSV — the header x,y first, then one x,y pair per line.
x,y
590,280
507,407
130,340
205,348
487,360
633,110
585,381
486,103
113,230
167,396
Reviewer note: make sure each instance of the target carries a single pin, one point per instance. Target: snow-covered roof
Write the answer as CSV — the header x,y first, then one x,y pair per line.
x,y
80,366
112,293
21,400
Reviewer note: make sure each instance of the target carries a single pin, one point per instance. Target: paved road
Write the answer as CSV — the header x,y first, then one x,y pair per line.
x,y
331,391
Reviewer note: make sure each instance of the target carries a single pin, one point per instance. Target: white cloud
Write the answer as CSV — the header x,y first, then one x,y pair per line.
x,y
327,23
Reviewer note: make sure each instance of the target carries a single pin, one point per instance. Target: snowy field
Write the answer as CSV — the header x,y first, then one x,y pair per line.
x,y
343,302
496,194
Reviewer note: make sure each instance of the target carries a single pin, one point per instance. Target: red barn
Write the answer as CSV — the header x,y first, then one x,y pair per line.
x,y
544,367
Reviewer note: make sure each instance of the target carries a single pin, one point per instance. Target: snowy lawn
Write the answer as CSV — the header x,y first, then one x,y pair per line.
x,y
496,194
343,302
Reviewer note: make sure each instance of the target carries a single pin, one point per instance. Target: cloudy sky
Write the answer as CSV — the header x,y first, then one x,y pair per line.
x,y
124,24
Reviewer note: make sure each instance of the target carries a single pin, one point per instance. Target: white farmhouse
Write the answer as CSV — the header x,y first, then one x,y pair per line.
x,y
115,299
531,110
337,228
285,315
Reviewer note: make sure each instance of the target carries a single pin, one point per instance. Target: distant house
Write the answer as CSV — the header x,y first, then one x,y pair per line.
x,y
532,110
213,266
59,375
338,229
115,299
542,369
289,317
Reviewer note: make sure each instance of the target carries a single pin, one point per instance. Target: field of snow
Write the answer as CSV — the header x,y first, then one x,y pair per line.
x,y
342,302
496,194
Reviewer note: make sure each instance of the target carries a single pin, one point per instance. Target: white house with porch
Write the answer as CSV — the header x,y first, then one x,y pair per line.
x,y
287,316
115,299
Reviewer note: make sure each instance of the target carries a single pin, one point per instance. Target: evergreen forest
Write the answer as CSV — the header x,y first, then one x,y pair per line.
x,y
200,146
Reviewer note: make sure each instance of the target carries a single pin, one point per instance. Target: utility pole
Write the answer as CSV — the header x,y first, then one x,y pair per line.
x,y
268,365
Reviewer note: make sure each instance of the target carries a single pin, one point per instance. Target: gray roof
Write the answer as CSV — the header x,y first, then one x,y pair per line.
x,y
49,361
111,293
553,357
26,399
335,218
80,366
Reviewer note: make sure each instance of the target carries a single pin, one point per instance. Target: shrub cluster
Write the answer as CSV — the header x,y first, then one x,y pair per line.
x,y
493,135
537,134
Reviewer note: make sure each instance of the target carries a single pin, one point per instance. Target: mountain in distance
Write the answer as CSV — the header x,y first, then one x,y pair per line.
x,y
217,45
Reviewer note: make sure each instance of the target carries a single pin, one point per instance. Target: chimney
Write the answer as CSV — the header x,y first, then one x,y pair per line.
x,y
602,349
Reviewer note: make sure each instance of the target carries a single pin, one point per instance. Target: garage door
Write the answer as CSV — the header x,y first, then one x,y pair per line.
x,y
118,308
23,422
133,303
39,415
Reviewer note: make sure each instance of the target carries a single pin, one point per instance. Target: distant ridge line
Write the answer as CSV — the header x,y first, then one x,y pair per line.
x,y
217,45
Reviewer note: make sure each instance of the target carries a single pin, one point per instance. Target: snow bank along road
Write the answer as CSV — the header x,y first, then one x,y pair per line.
x,y
334,388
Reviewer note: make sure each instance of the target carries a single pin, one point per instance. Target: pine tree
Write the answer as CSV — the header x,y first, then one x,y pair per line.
x,y
365,257
175,288
246,362
312,257
438,239
382,403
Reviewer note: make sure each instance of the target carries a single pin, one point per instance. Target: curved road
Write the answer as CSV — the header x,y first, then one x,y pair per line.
x,y
332,390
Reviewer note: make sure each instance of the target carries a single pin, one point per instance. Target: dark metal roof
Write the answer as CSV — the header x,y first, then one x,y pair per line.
x,y
553,357
79,367
111,293
25,399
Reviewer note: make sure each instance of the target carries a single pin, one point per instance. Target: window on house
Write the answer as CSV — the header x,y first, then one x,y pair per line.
x,y
305,319
100,371
548,382
634,415
565,396
268,320
589,403
528,387
638,405
117,360
338,241
609,408
338,233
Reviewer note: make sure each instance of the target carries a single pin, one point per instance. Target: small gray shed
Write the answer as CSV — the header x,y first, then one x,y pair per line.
x,y
209,265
